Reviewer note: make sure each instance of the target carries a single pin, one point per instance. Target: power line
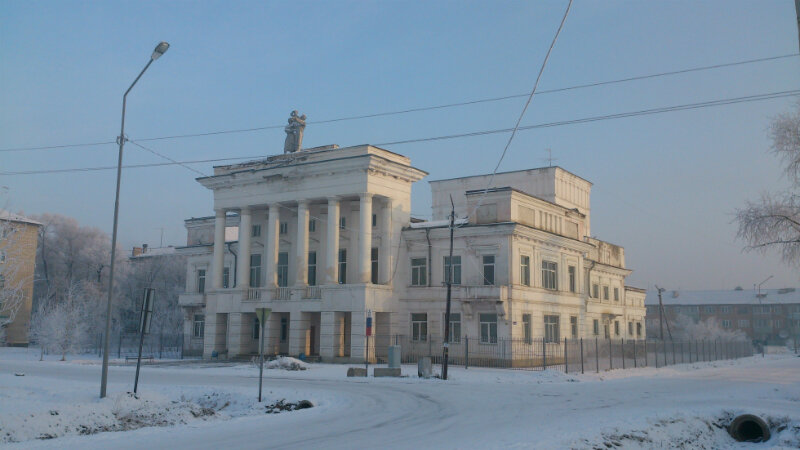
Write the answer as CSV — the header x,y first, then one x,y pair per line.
x,y
167,158
525,108
423,108
689,106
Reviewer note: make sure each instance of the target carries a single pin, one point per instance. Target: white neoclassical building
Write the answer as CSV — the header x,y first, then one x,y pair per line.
x,y
325,238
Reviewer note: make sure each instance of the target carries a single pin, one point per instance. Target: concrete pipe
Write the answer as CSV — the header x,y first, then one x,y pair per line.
x,y
749,428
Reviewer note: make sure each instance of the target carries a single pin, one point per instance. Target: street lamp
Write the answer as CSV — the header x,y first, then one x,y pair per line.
x,y
160,49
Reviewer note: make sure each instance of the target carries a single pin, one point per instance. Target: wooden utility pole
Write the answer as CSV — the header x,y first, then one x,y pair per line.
x,y
446,343
660,313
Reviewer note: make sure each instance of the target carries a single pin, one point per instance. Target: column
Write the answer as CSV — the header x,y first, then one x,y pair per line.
x,y
234,334
218,260
385,252
326,335
358,336
332,250
298,330
245,228
301,257
209,336
364,237
272,245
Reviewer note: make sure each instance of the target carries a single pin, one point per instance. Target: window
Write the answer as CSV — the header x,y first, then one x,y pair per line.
x,y
595,291
342,223
709,309
639,329
606,331
283,269
526,328
726,309
456,269
525,270
549,278
199,325
596,327
312,268
226,276
2,256
744,323
616,294
312,225
255,231
256,329
630,328
455,328
573,326
419,272
551,332
342,266
255,270
283,228
572,286
605,292
616,328
284,329
488,270
742,310
488,328
374,260
374,220
419,327
201,280
761,323
726,324
2,286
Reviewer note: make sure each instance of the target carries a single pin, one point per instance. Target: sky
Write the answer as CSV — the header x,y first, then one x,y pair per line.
x,y
665,186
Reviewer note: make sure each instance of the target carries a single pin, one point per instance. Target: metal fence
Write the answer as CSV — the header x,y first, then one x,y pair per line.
x,y
155,345
568,355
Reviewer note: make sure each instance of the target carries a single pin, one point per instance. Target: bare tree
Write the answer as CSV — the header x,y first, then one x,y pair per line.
x,y
773,221
61,326
686,329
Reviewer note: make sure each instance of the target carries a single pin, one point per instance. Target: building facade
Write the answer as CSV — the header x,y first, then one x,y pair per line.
x,y
771,316
324,238
19,237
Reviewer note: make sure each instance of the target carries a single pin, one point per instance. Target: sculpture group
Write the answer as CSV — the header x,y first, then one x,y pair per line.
x,y
294,133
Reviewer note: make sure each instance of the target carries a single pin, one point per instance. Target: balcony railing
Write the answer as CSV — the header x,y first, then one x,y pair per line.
x,y
313,292
252,294
283,293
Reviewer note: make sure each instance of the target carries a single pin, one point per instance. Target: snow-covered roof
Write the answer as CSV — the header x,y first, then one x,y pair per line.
x,y
8,215
155,251
727,297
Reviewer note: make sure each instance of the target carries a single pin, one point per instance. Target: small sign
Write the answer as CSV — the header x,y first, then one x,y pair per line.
x,y
147,310
369,326
263,315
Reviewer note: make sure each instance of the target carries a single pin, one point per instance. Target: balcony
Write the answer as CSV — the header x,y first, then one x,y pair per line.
x,y
464,293
312,292
283,293
192,299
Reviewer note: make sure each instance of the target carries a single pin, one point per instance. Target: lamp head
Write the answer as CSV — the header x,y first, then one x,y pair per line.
x,y
161,48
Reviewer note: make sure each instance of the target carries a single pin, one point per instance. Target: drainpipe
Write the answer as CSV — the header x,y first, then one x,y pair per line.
x,y
589,281
235,263
430,265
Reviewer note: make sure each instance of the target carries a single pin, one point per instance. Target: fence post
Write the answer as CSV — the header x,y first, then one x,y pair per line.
x,y
119,346
581,356
566,363
544,355
160,344
610,362
466,352
715,350
646,362
622,344
673,351
635,362
597,354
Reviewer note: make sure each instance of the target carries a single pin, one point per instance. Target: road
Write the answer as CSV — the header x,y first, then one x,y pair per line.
x,y
478,408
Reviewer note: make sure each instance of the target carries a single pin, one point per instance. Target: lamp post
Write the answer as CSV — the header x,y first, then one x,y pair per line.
x,y
160,49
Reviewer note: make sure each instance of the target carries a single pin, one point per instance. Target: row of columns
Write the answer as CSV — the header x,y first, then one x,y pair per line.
x,y
331,259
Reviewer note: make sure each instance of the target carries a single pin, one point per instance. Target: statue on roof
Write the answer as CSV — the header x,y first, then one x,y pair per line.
x,y
294,132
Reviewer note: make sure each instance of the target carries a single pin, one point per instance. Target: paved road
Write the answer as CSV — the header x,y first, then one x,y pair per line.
x,y
481,409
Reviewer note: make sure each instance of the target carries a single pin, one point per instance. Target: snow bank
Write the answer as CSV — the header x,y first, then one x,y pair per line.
x,y
283,362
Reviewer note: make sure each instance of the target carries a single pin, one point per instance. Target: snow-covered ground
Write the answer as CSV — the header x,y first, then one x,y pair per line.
x,y
684,406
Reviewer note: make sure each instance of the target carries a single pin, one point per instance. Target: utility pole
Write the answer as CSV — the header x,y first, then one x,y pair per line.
x,y
797,10
660,312
446,343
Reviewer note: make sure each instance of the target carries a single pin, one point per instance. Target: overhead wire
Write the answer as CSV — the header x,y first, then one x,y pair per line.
x,y
423,108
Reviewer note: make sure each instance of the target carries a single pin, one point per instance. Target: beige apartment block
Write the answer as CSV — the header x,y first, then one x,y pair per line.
x,y
19,237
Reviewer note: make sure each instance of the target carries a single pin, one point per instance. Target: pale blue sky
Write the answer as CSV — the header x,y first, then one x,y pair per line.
x,y
665,185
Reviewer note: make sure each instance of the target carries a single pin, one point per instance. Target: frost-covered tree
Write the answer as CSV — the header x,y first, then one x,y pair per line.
x,y
60,326
773,221
686,329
